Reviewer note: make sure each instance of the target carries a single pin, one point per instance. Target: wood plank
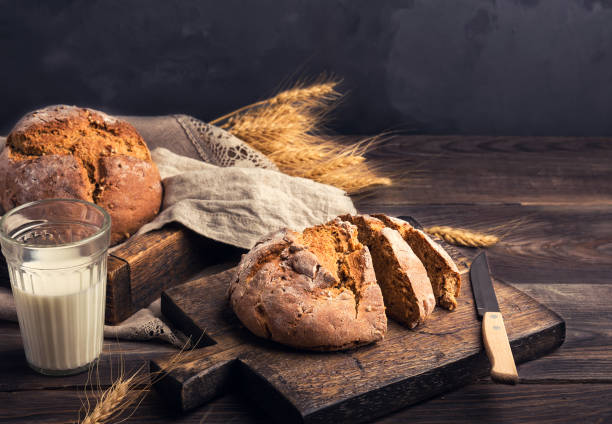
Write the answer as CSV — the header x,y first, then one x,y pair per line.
x,y
585,354
487,403
482,169
62,406
118,294
494,403
406,367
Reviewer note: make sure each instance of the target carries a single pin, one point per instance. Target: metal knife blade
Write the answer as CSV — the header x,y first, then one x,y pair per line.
x,y
494,336
482,287
410,220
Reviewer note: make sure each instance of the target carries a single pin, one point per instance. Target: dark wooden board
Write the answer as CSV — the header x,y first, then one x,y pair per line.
x,y
354,386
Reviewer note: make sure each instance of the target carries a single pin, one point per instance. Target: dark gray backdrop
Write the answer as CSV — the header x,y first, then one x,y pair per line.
x,y
434,66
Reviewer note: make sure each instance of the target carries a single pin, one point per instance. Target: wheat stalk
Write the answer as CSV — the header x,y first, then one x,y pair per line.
x,y
126,392
287,129
117,398
316,95
463,237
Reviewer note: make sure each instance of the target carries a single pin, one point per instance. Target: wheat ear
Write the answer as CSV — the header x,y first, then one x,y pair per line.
x,y
127,392
116,399
316,95
463,237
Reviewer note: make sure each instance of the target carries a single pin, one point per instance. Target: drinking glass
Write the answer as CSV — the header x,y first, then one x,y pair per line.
x,y
56,251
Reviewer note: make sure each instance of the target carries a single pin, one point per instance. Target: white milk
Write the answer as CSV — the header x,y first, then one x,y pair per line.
x,y
61,314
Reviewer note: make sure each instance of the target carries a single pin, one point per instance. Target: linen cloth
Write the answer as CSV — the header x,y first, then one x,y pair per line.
x,y
221,188
238,205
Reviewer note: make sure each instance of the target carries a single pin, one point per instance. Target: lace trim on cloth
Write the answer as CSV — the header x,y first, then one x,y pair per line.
x,y
148,324
218,147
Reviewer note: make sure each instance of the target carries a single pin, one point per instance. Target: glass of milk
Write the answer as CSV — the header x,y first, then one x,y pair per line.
x,y
56,253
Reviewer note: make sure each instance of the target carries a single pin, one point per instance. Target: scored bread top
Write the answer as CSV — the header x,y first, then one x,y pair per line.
x,y
313,290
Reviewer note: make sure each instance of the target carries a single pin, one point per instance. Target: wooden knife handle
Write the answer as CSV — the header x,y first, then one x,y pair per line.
x,y
503,369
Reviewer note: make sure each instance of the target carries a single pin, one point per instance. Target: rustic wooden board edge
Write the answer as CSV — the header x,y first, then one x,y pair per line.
x,y
262,394
217,383
358,409
549,340
172,312
118,295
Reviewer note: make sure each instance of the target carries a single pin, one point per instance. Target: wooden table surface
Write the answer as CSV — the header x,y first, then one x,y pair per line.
x,y
550,199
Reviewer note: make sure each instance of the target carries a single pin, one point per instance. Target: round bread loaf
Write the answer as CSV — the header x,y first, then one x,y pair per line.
x,y
313,290
72,152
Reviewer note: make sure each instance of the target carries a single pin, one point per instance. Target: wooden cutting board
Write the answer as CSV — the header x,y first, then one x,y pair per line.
x,y
342,387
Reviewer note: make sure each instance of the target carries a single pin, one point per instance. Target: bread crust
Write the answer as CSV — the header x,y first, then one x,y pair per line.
x,y
283,292
43,177
71,152
130,208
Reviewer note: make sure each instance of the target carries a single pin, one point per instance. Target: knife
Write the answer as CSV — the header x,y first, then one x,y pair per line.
x,y
503,369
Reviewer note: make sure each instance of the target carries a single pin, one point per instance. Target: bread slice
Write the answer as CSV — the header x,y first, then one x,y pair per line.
x,y
314,290
441,269
400,274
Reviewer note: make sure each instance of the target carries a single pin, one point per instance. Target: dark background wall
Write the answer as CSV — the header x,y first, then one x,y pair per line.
x,y
432,66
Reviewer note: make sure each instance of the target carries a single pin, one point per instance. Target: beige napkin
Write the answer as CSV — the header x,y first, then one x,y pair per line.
x,y
221,188
238,206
